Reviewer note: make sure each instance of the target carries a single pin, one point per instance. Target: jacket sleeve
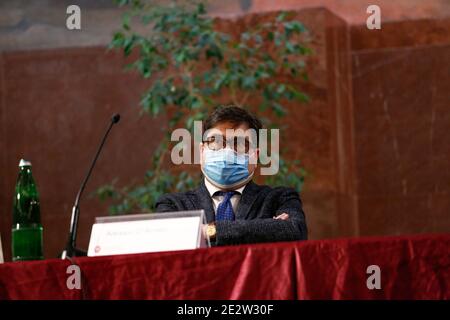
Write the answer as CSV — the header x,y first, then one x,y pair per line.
x,y
267,229
168,203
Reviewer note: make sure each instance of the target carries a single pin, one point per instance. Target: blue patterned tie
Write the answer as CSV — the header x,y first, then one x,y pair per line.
x,y
225,209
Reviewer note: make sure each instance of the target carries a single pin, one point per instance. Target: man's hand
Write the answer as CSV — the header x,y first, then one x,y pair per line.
x,y
283,216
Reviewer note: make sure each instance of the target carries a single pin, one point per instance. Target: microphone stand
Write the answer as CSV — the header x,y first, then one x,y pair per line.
x,y
71,250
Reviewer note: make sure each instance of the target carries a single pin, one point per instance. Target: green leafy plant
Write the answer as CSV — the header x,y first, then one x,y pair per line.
x,y
193,66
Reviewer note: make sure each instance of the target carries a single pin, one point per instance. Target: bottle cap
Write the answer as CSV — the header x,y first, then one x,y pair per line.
x,y
24,163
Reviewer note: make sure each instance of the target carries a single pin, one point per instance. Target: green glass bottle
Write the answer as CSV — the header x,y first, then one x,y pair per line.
x,y
27,242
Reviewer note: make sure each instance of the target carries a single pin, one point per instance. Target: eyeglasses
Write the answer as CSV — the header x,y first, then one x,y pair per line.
x,y
239,144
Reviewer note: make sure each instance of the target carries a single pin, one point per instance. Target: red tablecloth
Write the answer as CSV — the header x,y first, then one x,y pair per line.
x,y
416,267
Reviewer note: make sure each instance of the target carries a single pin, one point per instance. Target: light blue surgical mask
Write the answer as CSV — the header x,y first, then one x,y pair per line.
x,y
225,168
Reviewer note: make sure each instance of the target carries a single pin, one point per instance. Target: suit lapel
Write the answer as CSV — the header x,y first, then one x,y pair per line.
x,y
249,196
205,202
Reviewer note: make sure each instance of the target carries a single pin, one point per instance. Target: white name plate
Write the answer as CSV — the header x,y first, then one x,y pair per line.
x,y
151,232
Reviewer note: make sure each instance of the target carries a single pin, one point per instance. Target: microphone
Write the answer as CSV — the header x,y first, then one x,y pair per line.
x,y
71,250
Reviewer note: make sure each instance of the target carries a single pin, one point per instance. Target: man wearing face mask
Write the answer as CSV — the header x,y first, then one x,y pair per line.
x,y
238,210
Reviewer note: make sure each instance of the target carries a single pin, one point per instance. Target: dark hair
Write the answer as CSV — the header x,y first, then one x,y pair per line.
x,y
233,114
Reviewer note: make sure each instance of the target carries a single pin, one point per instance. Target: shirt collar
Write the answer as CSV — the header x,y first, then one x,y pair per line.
x,y
213,189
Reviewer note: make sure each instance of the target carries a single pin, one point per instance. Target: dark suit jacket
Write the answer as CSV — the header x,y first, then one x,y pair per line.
x,y
254,217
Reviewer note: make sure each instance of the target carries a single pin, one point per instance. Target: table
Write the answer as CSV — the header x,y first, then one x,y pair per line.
x,y
411,267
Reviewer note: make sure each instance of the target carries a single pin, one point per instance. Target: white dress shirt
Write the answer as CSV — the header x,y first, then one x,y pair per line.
x,y
218,199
